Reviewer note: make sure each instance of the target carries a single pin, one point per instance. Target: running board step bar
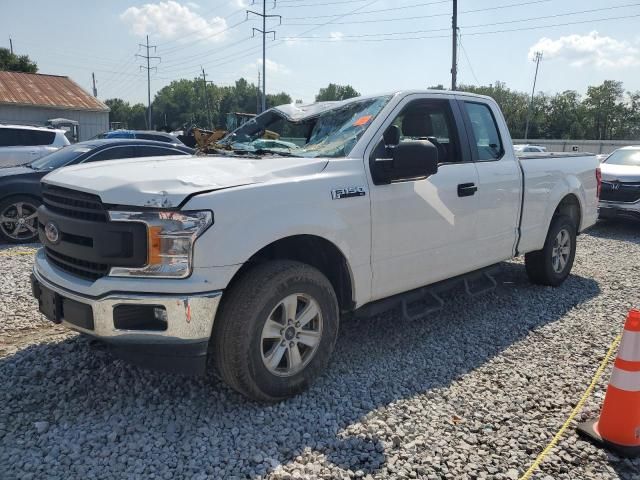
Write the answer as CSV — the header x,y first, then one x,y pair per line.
x,y
424,301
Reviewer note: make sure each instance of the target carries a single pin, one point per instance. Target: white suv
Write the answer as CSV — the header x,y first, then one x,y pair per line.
x,y
20,144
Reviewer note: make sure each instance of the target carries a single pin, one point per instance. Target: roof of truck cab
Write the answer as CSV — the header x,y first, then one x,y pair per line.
x,y
294,111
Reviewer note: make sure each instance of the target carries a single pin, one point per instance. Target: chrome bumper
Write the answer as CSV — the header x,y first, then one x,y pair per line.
x,y
189,317
619,209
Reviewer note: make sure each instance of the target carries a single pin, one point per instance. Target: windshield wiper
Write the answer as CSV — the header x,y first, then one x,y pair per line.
x,y
262,151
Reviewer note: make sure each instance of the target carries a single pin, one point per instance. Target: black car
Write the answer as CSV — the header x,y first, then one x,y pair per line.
x,y
20,190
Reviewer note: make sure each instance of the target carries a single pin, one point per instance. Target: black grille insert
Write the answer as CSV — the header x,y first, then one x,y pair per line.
x,y
620,192
73,203
82,268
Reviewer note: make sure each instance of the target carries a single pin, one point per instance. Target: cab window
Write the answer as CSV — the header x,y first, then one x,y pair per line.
x,y
485,131
429,120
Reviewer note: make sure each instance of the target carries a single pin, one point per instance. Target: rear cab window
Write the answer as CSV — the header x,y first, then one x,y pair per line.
x,y
488,143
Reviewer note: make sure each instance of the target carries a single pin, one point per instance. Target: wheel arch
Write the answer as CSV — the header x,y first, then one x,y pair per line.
x,y
569,206
315,251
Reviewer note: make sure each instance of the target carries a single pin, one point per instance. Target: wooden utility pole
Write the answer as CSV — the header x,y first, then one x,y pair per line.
x,y
206,96
11,45
95,90
454,46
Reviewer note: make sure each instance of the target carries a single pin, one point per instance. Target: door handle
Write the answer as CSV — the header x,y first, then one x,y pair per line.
x,y
467,189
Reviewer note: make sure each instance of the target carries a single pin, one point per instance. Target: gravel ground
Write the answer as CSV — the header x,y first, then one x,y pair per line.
x,y
476,391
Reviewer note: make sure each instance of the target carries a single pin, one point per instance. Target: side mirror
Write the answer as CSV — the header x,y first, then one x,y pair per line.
x,y
410,159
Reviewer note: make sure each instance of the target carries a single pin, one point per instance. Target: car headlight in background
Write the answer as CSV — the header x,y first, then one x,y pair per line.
x,y
170,239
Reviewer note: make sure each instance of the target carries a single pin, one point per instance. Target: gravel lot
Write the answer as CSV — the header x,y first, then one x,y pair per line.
x,y
476,391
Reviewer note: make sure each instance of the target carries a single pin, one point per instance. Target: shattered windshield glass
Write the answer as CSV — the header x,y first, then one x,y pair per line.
x,y
331,133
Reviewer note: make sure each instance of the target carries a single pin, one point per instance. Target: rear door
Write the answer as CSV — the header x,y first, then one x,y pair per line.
x,y
423,230
498,199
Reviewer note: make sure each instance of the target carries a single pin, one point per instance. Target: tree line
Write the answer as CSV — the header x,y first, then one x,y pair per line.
x,y
605,112
186,103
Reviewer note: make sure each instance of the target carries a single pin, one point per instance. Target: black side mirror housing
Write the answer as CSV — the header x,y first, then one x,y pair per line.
x,y
408,160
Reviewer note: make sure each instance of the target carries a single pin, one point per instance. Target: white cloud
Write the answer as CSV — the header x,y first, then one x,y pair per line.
x,y
170,20
241,3
272,67
592,49
336,36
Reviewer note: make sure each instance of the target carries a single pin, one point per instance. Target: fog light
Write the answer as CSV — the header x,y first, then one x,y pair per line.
x,y
140,317
160,314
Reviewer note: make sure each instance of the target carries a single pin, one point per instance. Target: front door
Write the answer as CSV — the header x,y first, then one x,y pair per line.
x,y
423,229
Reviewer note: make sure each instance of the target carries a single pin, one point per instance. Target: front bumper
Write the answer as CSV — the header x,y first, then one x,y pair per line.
x,y
180,346
619,210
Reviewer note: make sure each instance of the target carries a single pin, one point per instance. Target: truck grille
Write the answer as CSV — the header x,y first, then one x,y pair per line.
x,y
89,243
72,203
620,192
81,268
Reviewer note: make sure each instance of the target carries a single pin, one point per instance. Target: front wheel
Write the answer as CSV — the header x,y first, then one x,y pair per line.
x,y
19,219
552,265
276,330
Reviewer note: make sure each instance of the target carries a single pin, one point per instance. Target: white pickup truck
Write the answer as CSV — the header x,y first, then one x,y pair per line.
x,y
249,257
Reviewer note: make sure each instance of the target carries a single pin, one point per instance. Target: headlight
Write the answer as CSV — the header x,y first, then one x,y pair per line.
x,y
170,239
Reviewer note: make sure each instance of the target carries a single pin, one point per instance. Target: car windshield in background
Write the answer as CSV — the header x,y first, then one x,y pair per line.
x,y
630,158
59,158
332,133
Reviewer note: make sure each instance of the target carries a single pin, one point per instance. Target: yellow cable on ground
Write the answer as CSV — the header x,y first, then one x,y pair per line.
x,y
20,252
575,411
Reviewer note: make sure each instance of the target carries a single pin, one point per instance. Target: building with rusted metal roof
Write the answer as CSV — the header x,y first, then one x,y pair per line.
x,y
34,99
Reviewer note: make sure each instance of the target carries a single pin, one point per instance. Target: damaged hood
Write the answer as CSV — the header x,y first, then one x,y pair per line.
x,y
167,181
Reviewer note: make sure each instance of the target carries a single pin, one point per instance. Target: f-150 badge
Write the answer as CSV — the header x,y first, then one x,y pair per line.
x,y
348,192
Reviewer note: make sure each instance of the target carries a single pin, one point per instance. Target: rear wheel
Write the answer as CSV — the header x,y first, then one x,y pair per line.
x,y
276,330
552,265
19,219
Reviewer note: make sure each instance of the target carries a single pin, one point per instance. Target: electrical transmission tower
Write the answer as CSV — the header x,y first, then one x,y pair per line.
x,y
148,68
264,44
537,59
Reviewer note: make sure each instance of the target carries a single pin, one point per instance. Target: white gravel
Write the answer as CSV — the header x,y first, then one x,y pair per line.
x,y
476,391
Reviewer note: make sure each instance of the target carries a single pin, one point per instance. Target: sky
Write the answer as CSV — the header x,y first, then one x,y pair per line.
x,y
374,45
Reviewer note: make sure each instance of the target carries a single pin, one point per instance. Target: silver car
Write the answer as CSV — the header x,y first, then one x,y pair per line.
x,y
620,196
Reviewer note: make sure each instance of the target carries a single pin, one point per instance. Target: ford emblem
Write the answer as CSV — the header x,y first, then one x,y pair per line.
x,y
51,232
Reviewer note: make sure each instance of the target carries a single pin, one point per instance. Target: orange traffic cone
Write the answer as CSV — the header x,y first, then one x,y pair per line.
x,y
619,425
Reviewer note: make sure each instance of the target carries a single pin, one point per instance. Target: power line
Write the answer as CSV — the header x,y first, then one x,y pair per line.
x,y
173,40
405,7
380,20
544,17
521,29
321,4
464,52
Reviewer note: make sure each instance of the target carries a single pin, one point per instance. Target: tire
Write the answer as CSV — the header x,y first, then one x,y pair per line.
x,y
550,266
14,208
253,322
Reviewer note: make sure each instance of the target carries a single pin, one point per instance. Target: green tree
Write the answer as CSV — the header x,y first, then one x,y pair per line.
x,y
11,62
131,116
603,105
333,92
281,98
514,105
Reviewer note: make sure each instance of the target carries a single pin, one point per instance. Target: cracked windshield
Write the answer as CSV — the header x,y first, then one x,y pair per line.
x,y
332,133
